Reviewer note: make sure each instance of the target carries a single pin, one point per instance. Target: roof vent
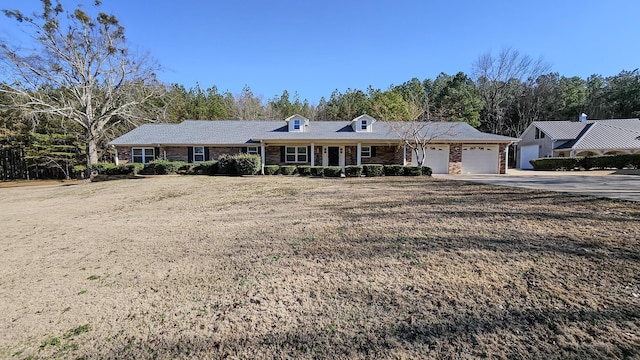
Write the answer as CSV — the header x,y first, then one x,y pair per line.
x,y
583,117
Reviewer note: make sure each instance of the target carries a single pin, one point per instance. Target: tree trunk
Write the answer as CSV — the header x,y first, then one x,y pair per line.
x,y
92,152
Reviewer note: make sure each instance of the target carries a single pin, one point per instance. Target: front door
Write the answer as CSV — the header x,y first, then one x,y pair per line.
x,y
334,156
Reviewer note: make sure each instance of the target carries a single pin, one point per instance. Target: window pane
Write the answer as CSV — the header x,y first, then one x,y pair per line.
x,y
148,152
302,150
137,159
291,150
291,158
198,150
198,158
137,152
302,158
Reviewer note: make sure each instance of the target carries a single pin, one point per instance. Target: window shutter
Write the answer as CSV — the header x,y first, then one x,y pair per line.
x,y
190,154
243,150
309,154
206,154
259,150
156,153
373,151
282,153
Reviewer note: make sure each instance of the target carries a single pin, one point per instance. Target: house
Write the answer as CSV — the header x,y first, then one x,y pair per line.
x,y
452,148
578,138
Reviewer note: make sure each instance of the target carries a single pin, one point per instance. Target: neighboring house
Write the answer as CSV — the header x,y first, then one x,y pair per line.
x,y
578,138
453,148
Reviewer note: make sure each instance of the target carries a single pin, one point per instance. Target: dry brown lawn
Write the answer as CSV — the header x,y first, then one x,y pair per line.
x,y
287,267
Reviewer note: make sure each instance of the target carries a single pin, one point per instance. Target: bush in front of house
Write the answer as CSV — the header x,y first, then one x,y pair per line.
x,y
287,169
227,165
202,168
621,161
393,170
162,167
304,170
112,169
332,171
317,171
371,170
246,164
426,171
412,170
271,169
556,163
353,171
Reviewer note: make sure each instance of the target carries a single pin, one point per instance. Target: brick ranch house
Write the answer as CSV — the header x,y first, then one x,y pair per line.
x,y
452,148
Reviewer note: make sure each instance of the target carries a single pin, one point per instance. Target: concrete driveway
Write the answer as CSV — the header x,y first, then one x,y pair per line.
x,y
593,183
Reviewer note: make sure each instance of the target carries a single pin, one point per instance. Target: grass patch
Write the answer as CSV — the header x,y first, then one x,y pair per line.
x,y
381,267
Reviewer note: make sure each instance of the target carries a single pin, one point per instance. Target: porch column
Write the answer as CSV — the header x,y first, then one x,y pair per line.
x,y
116,155
404,155
359,156
262,156
312,155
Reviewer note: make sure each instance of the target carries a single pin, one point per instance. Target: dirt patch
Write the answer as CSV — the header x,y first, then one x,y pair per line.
x,y
288,267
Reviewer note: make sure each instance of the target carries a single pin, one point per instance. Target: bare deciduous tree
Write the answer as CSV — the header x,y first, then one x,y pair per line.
x,y
80,70
498,79
418,135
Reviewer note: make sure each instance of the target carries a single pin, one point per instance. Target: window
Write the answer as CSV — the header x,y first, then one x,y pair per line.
x,y
142,155
252,150
363,125
296,124
198,153
539,134
296,154
365,151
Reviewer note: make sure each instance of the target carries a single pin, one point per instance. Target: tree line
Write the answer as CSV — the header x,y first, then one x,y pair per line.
x,y
81,86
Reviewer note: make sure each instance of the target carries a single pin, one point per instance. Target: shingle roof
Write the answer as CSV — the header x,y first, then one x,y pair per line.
x,y
237,132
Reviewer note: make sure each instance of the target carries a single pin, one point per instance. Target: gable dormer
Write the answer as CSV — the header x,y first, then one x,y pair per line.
x,y
363,123
297,123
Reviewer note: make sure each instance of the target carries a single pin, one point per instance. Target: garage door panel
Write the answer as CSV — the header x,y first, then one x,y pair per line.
x,y
480,159
527,153
436,157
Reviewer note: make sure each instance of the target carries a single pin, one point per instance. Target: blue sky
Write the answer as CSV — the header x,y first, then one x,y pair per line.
x,y
315,47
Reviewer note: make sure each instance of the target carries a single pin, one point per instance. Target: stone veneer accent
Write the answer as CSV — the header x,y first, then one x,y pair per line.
x,y
455,159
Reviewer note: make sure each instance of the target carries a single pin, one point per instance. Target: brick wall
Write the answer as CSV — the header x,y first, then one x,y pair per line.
x,y
502,159
175,153
455,159
124,154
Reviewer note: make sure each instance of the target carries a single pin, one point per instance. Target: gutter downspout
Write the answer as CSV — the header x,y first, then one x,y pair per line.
x,y
116,155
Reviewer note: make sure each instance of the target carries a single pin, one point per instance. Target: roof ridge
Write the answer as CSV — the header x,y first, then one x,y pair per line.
x,y
620,128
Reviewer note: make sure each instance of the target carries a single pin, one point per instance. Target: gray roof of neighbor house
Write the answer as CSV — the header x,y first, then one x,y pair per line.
x,y
561,130
238,132
607,134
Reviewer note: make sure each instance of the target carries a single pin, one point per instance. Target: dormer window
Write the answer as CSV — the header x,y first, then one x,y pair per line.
x,y
539,134
297,123
363,123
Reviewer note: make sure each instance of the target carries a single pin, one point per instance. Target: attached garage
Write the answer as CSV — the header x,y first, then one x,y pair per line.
x,y
480,159
527,153
436,157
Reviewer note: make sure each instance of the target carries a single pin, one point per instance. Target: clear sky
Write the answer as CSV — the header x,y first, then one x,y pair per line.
x,y
315,47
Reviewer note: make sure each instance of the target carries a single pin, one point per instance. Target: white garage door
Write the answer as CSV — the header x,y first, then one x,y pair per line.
x,y
437,158
480,159
527,153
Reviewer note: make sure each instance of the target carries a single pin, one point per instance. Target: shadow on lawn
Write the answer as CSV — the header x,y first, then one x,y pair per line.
x,y
511,334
